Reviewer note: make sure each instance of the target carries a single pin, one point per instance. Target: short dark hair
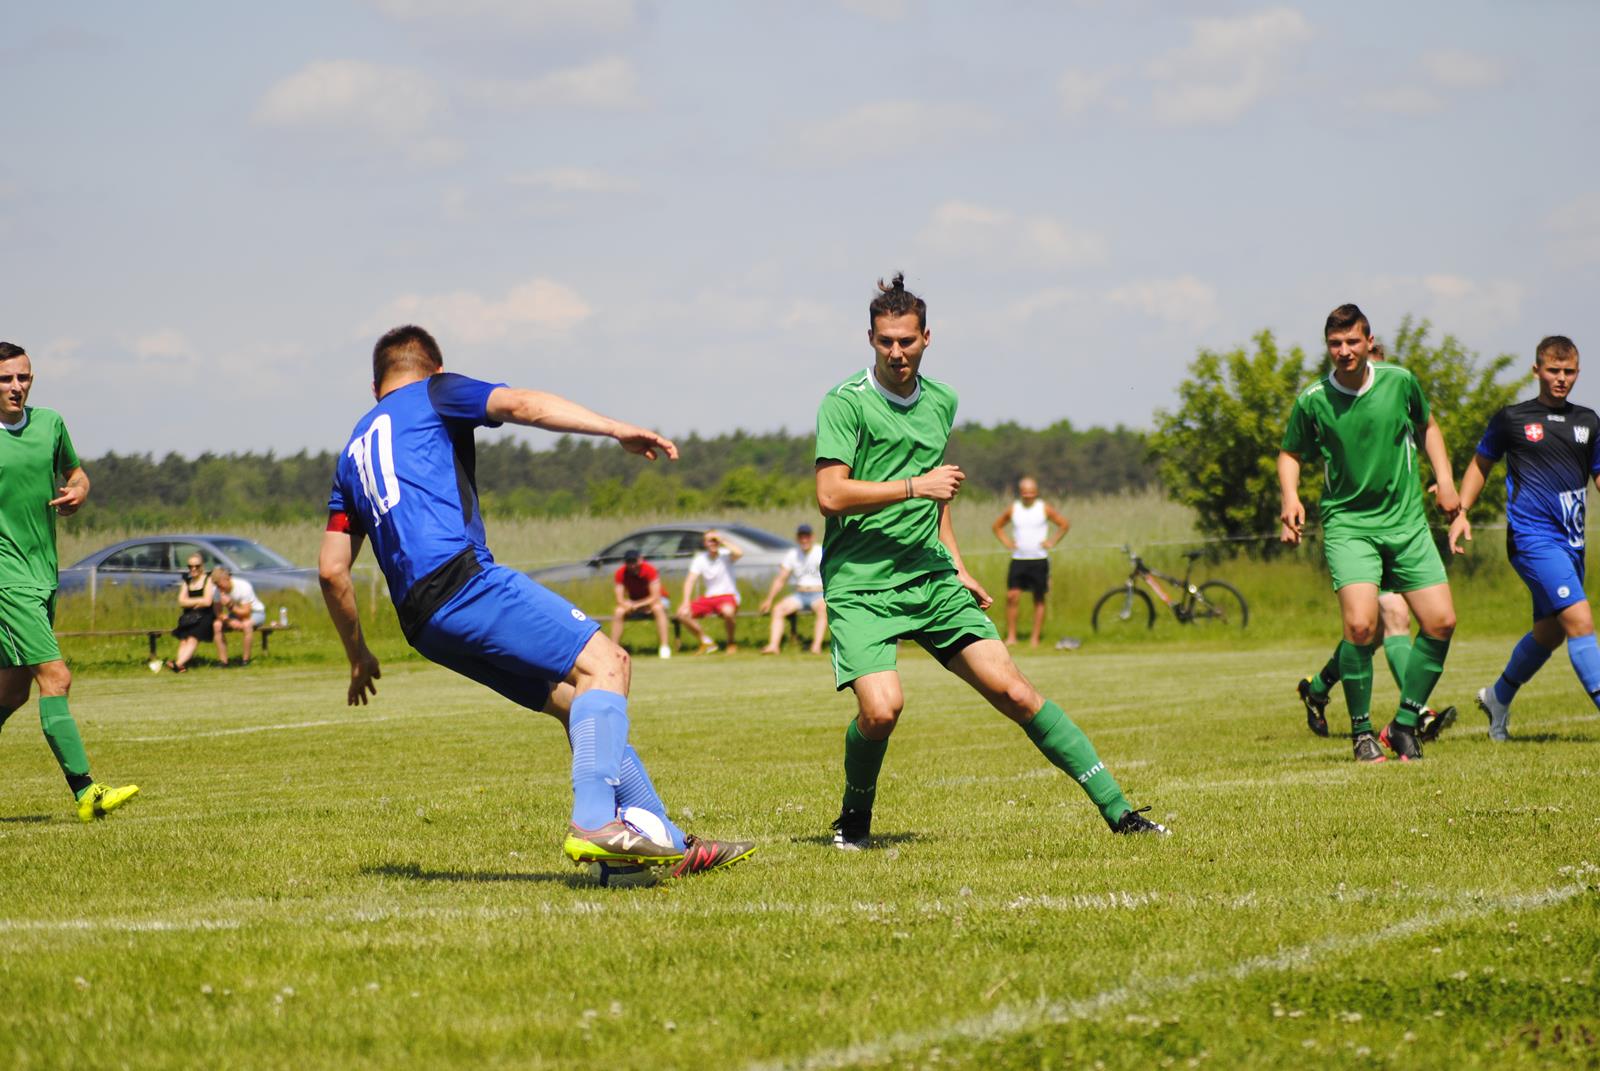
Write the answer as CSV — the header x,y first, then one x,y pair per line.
x,y
1344,318
404,349
9,350
1553,346
895,300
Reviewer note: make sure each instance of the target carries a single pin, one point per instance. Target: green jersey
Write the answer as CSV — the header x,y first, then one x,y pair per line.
x,y
32,458
1367,442
883,437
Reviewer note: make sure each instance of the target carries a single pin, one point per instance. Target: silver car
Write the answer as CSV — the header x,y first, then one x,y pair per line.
x,y
669,547
155,563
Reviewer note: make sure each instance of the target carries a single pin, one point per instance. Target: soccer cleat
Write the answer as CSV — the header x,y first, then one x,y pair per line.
x,y
98,801
700,856
1316,707
1367,749
616,842
851,830
1498,713
1433,722
1135,822
1402,740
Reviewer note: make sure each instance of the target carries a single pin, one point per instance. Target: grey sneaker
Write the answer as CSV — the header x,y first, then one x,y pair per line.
x,y
616,842
1498,713
1367,749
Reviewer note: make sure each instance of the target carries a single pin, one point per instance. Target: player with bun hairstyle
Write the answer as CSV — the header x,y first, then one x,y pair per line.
x,y
891,569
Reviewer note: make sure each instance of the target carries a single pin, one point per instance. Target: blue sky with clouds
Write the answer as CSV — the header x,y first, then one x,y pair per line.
x,y
676,212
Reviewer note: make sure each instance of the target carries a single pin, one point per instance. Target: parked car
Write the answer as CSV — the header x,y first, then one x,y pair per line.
x,y
669,547
154,563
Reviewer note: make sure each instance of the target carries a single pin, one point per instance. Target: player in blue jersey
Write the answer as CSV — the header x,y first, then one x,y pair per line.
x,y
1552,451
406,484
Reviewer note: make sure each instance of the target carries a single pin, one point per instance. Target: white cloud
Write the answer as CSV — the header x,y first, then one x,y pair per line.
x,y
576,180
962,229
1458,69
1182,300
394,105
610,83
536,305
527,15
1080,90
1227,66
1466,308
885,128
166,342
1574,230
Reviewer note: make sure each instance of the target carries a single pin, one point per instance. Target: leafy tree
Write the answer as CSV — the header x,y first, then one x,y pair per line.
x,y
1218,451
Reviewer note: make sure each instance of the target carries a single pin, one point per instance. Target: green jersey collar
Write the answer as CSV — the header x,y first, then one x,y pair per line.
x,y
1372,374
890,396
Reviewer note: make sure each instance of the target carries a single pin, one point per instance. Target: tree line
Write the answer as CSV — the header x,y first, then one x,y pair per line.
x,y
578,475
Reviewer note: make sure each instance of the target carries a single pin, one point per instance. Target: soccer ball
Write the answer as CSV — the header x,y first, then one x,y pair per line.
x,y
620,875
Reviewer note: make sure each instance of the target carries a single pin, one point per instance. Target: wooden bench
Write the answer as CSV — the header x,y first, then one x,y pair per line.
x,y
709,622
263,632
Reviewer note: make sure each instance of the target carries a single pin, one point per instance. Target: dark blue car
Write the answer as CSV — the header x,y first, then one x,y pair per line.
x,y
155,563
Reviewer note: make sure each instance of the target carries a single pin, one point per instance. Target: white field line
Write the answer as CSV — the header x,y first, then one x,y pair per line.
x,y
355,720
1008,1020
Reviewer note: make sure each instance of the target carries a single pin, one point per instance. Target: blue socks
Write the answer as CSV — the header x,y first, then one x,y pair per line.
x,y
637,791
1585,655
597,725
1526,659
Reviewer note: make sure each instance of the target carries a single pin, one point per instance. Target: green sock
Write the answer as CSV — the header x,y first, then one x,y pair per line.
x,y
1422,673
1355,669
62,733
1397,652
863,759
1325,678
1066,746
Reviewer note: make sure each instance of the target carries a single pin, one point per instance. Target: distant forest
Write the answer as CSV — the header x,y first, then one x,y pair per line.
x,y
581,475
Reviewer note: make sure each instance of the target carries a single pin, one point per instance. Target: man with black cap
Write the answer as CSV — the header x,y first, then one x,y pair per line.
x,y
804,563
638,588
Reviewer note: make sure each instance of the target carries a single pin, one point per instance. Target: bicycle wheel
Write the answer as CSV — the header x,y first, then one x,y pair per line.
x,y
1219,603
1125,610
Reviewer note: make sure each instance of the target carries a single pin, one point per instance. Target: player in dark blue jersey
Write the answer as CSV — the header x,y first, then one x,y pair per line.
x,y
406,483
1552,451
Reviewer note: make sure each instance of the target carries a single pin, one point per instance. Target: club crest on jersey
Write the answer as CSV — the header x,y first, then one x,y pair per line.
x,y
1534,432
1580,433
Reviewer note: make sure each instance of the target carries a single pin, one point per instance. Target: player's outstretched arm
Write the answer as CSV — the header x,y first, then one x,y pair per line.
x,y
947,536
73,490
838,494
538,409
339,550
1292,513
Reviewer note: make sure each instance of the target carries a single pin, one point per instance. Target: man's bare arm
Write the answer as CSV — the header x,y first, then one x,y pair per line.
x,y
838,494
72,492
539,409
1292,513
1062,524
947,536
338,553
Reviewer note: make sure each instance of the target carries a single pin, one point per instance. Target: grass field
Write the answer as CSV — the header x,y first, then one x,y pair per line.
x,y
303,885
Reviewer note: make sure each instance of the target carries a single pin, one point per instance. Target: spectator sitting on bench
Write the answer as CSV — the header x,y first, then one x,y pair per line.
x,y
238,609
196,597
715,563
638,588
805,565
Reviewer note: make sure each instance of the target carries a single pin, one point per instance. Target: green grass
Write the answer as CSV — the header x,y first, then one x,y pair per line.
x,y
302,885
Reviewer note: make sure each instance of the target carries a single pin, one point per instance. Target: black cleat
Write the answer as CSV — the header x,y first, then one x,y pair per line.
x,y
1434,722
1367,749
851,830
1316,706
1135,822
1402,740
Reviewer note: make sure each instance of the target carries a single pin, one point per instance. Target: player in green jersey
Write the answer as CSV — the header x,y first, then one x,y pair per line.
x,y
891,569
1362,421
36,452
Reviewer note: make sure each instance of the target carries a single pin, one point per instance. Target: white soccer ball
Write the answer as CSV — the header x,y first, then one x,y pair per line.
x,y
648,823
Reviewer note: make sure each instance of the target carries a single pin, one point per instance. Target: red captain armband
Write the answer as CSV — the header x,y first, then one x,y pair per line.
x,y
339,521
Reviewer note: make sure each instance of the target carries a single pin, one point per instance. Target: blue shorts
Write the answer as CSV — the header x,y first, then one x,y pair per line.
x,y
1553,572
507,632
808,599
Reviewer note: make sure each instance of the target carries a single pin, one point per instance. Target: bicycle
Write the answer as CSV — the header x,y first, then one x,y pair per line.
x,y
1215,601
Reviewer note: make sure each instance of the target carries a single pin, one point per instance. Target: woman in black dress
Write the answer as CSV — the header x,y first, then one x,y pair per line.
x,y
196,597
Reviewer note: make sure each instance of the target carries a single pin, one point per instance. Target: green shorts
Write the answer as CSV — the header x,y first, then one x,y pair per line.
x,y
1398,561
27,636
935,610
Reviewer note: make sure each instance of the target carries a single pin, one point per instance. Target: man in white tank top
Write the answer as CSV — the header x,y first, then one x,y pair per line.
x,y
1030,541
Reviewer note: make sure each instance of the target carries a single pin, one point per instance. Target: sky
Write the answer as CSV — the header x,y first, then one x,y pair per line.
x,y
676,213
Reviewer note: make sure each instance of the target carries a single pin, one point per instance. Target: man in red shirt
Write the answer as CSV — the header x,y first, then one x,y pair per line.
x,y
638,588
